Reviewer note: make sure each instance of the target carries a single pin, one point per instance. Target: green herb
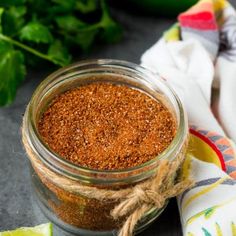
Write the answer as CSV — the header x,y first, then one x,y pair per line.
x,y
50,30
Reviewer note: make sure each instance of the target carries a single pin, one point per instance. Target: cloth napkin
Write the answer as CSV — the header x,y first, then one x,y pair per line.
x,y
197,56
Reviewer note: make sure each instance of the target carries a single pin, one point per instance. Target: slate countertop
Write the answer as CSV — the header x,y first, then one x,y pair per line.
x,y
17,207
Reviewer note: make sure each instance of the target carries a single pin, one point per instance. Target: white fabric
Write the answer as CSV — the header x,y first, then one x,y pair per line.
x,y
189,70
226,105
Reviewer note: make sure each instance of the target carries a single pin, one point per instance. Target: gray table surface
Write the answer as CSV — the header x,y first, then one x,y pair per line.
x,y
17,208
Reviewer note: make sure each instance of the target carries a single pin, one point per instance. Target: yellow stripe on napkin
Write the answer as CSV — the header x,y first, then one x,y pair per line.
x,y
204,191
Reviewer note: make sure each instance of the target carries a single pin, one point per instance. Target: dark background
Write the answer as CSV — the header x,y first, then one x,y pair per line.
x,y
17,208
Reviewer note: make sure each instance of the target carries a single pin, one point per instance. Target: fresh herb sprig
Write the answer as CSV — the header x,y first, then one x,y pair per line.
x,y
50,30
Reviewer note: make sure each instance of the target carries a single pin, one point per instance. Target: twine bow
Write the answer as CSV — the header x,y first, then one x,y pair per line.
x,y
151,193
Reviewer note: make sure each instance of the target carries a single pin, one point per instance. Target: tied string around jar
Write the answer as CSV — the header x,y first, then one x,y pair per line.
x,y
133,202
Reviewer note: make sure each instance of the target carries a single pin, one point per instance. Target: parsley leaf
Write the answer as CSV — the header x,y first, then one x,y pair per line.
x,y
69,23
36,32
58,53
13,20
65,5
12,71
1,12
86,7
111,30
85,38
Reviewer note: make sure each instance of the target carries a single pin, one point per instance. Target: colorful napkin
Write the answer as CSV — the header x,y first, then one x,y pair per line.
x,y
197,56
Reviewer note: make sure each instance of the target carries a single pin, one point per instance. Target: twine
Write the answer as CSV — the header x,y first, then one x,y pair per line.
x,y
135,201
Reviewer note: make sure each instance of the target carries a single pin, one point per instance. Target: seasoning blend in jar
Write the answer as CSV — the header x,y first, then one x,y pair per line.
x,y
97,134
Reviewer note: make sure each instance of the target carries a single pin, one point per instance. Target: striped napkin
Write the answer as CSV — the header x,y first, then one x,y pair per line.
x,y
197,56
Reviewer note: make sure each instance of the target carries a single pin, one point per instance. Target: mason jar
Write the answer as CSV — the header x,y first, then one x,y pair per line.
x,y
53,177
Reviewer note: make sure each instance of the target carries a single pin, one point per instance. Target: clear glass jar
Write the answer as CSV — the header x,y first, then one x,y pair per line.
x,y
69,210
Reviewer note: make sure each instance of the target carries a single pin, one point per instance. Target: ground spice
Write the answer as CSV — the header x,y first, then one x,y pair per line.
x,y
107,127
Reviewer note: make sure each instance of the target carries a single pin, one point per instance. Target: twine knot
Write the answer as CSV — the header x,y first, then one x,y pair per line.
x,y
152,193
147,195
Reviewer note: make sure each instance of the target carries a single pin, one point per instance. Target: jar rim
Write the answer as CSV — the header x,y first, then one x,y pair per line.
x,y
35,139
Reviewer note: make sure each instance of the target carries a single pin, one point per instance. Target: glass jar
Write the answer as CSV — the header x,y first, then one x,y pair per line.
x,y
51,174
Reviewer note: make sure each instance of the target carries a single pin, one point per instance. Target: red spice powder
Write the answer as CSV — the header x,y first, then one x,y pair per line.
x,y
107,127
